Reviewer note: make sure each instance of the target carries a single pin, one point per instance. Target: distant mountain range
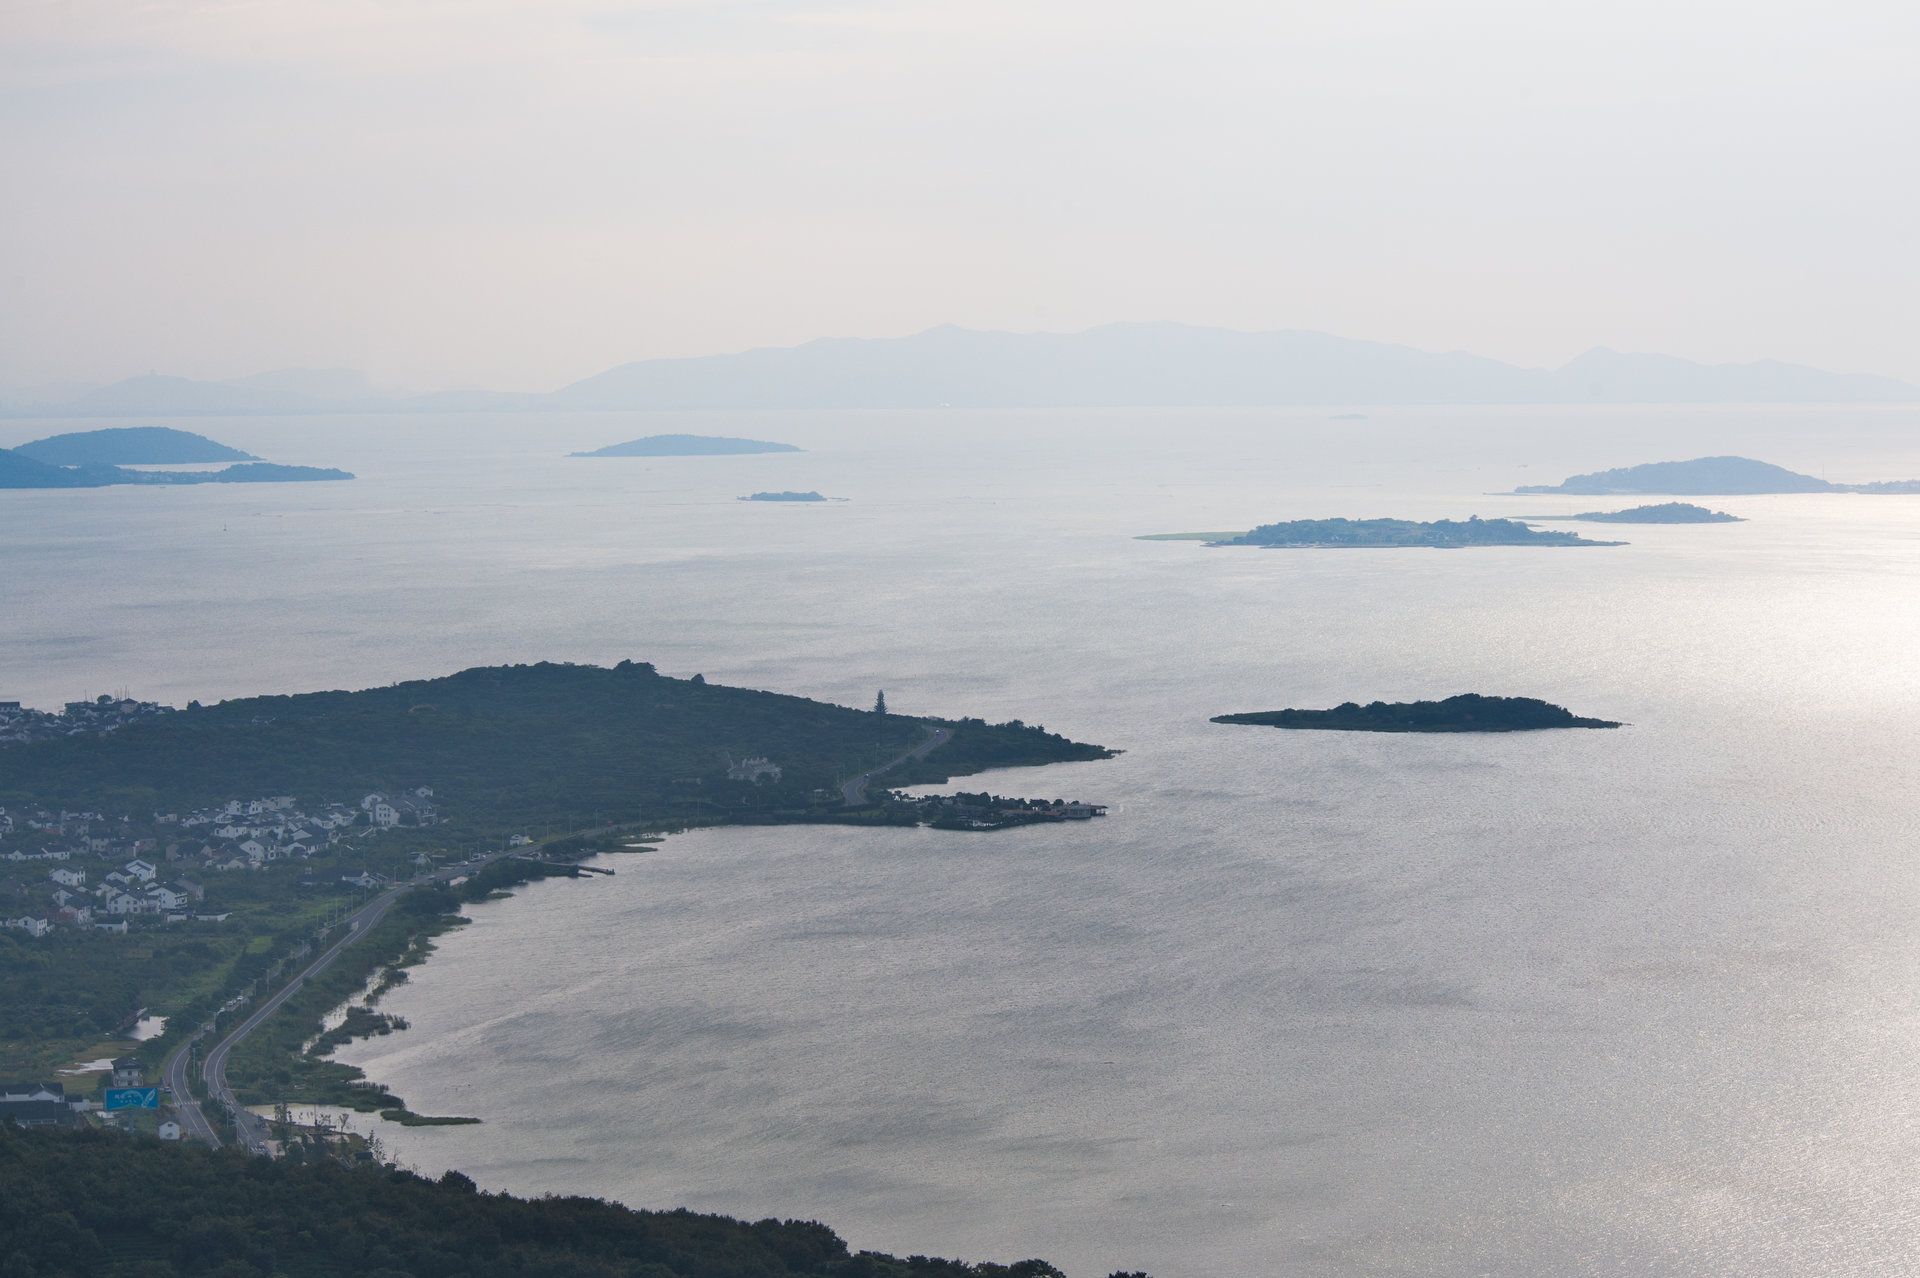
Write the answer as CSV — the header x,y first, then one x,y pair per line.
x,y
1117,365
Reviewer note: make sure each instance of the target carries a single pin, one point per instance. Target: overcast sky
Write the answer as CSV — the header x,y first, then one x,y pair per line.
x,y
518,193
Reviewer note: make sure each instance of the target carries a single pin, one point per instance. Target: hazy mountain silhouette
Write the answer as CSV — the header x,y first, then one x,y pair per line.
x,y
292,390
1177,365
1118,365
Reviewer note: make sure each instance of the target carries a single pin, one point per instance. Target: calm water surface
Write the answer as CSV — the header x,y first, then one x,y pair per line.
x,y
1632,1002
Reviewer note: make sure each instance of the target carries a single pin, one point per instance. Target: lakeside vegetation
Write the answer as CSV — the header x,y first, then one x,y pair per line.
x,y
105,1205
1469,712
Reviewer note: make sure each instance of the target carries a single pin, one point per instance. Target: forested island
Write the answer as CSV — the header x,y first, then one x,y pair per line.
x,y
784,497
105,1205
1469,712
688,446
1441,533
1710,477
98,459
130,446
1672,512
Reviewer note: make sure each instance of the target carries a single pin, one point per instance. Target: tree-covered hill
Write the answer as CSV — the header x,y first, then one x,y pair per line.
x,y
102,1205
502,746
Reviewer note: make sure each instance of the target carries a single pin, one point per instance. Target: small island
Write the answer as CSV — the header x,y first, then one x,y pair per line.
x,y
1468,712
688,446
1671,512
1445,534
786,497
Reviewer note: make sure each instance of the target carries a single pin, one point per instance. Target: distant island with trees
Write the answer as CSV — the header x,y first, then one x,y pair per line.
x,y
130,446
1443,534
1672,512
1468,712
1709,477
789,497
97,458
688,446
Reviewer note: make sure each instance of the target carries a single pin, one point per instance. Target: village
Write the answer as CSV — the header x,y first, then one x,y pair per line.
x,y
103,714
86,870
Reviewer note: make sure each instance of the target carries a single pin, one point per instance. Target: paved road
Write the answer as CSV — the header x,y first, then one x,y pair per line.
x,y
253,1128
193,1123
855,791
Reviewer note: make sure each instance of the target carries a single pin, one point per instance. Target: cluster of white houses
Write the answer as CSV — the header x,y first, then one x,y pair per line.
x,y
241,835
251,833
102,714
134,889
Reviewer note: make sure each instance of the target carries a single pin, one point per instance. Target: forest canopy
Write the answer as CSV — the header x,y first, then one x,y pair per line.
x,y
95,1204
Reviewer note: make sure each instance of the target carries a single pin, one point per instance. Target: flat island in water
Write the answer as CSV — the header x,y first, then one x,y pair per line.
x,y
789,497
1445,534
1670,512
1468,712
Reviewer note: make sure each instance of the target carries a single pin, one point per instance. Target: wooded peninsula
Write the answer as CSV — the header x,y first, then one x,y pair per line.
x,y
168,859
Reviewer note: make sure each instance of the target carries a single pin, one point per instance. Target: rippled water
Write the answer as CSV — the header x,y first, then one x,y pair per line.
x,y
1640,1001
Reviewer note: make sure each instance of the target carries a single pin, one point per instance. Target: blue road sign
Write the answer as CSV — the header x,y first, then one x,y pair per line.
x,y
133,1098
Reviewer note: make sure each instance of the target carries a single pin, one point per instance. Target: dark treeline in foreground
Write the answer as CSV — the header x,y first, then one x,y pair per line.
x,y
103,1205
1468,712
508,747
1442,533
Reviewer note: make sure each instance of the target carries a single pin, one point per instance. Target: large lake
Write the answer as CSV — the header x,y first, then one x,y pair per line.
x,y
1633,1002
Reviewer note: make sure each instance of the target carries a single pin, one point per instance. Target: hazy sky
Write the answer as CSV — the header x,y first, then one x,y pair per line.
x,y
514,193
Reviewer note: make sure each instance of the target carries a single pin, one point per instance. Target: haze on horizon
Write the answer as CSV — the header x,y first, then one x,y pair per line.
x,y
518,195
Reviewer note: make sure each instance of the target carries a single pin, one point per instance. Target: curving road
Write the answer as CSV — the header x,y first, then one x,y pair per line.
x,y
855,791
252,1129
